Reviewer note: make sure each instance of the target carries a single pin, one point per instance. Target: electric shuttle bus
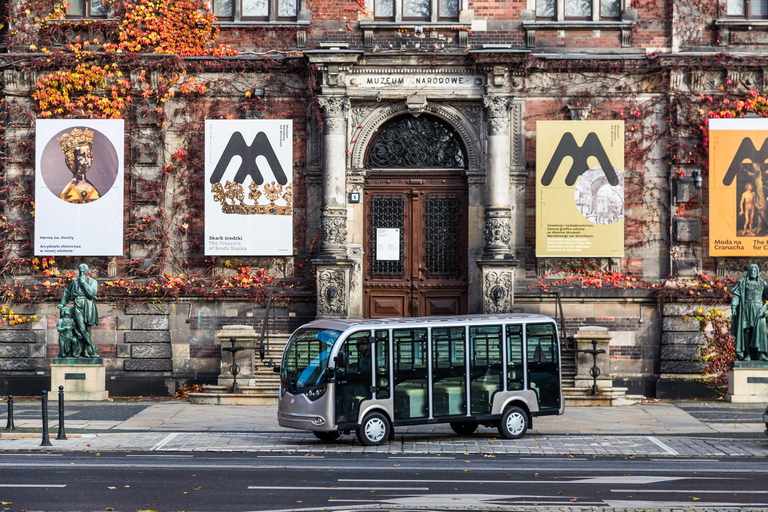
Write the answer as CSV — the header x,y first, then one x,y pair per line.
x,y
369,376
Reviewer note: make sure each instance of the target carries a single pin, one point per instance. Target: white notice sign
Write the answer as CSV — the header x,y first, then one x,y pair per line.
x,y
387,244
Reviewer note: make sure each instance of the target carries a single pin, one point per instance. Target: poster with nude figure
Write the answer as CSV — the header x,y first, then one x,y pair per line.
x,y
738,181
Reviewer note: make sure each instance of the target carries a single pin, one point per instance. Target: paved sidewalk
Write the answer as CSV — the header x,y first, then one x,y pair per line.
x,y
651,429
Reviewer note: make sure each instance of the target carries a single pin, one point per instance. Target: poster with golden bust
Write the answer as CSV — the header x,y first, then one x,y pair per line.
x,y
79,187
738,187
249,187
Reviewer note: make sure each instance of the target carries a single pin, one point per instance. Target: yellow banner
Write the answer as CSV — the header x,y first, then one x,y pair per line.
x,y
580,188
738,187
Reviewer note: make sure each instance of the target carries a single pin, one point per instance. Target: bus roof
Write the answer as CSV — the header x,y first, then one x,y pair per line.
x,y
344,324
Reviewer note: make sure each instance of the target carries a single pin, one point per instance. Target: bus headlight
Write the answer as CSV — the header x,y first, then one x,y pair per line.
x,y
315,393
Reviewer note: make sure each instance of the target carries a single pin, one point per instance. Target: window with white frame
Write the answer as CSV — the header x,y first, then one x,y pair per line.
x,y
416,10
86,9
578,9
255,10
748,8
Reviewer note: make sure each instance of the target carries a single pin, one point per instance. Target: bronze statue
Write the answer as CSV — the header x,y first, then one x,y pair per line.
x,y
748,316
82,292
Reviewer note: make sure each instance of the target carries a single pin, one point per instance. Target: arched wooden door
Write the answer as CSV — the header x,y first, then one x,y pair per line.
x,y
415,237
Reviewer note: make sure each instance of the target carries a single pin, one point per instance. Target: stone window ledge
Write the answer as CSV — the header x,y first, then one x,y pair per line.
x,y
417,26
531,26
271,24
742,23
727,25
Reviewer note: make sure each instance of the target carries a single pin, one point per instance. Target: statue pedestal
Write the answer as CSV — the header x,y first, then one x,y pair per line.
x,y
748,382
82,378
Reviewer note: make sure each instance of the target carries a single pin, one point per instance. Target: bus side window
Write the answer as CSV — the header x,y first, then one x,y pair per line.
x,y
515,357
382,364
410,375
353,380
543,364
485,366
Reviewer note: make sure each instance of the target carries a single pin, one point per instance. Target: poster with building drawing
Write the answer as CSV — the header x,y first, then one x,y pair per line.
x,y
738,187
79,187
249,187
580,188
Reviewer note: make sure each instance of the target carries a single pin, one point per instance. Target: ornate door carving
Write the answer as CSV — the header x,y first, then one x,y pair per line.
x,y
415,244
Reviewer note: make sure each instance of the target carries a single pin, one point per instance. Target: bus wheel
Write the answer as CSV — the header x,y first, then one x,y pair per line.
x,y
464,428
327,436
374,429
514,423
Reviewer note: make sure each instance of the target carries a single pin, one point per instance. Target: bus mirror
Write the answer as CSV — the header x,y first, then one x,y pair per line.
x,y
261,352
276,369
341,360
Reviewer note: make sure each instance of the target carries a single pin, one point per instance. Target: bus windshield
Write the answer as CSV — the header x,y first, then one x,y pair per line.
x,y
306,358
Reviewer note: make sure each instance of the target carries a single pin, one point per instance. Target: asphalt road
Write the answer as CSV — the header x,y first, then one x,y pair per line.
x,y
240,482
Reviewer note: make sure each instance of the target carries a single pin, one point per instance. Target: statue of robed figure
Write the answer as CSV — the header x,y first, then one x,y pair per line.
x,y
748,316
82,292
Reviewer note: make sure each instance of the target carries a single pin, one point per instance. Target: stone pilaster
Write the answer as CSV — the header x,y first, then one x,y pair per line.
x,y
497,209
333,230
333,269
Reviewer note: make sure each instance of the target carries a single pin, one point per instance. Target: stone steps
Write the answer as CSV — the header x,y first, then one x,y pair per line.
x,y
260,389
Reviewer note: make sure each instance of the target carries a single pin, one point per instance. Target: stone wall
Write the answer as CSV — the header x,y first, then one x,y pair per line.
x,y
148,348
680,359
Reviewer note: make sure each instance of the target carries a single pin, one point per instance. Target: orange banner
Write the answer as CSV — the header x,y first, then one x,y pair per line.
x,y
738,187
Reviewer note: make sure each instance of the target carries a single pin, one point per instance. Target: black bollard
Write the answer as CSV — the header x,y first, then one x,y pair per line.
x,y
9,425
46,439
62,435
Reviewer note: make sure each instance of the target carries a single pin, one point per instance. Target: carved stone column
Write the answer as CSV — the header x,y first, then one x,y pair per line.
x,y
332,267
334,215
497,208
497,264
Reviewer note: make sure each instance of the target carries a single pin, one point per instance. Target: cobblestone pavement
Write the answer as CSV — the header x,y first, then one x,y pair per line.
x,y
655,429
301,442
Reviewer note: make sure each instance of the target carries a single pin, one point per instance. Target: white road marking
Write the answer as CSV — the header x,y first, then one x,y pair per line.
x,y
662,445
690,491
33,485
164,456
290,456
165,441
633,479
634,504
334,488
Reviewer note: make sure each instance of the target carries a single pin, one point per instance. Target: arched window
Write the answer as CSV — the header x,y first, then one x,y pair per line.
x,y
423,142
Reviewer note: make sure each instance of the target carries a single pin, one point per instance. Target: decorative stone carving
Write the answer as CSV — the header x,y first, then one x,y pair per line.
x,y
737,267
334,124
333,230
497,291
517,149
723,36
333,106
331,297
496,230
497,106
472,113
360,112
579,112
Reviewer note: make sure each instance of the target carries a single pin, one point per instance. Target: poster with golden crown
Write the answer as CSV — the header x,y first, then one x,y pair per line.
x,y
249,187
580,188
738,187
79,187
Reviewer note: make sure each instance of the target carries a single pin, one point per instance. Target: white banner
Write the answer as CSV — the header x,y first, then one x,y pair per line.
x,y
249,187
79,187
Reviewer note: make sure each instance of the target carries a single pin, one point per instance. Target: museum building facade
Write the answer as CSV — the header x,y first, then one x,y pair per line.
x,y
420,136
